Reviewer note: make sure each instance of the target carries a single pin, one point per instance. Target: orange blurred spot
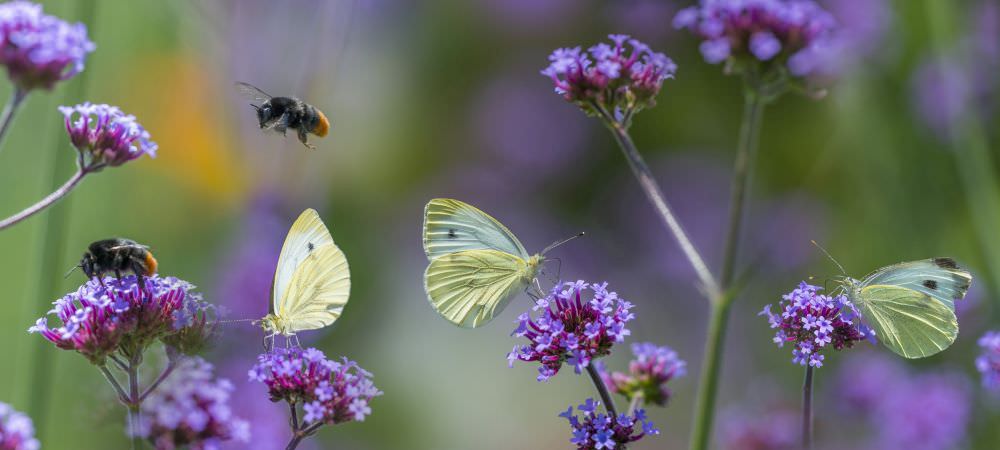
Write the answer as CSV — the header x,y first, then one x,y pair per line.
x,y
150,264
323,126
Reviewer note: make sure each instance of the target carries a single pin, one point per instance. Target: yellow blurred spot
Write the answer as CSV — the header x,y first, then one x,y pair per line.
x,y
185,115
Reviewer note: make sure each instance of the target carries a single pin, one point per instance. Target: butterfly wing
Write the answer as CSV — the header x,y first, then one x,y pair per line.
x,y
307,235
940,278
908,322
471,287
453,226
318,291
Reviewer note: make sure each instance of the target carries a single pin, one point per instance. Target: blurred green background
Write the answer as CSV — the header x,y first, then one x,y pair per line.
x,y
444,98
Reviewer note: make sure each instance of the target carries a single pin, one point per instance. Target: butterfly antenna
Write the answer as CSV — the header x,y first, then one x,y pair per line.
x,y
558,243
238,320
820,247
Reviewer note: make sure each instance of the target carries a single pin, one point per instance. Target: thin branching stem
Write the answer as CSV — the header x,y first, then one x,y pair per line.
x,y
10,110
807,415
47,201
602,390
122,395
171,365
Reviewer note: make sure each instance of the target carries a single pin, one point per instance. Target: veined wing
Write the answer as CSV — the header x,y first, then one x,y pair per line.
x,y
908,322
251,92
940,278
307,235
453,226
318,291
471,287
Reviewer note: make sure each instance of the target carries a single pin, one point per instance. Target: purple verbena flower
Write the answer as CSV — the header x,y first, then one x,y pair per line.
x,y
794,34
571,329
594,430
988,362
16,430
107,315
813,322
191,410
330,391
37,49
106,136
613,79
648,375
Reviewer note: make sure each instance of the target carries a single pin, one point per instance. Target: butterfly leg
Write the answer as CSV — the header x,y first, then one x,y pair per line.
x,y
295,339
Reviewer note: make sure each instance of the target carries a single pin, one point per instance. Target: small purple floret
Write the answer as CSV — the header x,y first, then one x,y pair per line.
x,y
16,430
106,136
648,375
988,362
571,329
37,49
594,430
813,322
330,391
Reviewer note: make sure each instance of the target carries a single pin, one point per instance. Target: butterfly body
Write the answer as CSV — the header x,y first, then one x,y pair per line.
x,y
312,281
476,264
911,306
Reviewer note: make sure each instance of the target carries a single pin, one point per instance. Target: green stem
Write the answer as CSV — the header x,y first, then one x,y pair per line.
x,y
53,228
10,110
807,415
708,385
602,390
46,202
655,196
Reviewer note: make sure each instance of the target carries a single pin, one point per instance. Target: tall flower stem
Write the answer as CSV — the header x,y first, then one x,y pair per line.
x,y
708,384
652,190
602,390
53,228
10,110
807,415
50,199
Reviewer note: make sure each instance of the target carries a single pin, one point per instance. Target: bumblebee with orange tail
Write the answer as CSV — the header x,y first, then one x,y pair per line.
x,y
118,255
281,113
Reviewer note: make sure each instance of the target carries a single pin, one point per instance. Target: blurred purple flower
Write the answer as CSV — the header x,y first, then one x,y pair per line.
x,y
863,28
571,329
813,322
16,430
988,362
268,421
190,409
330,391
105,136
643,18
795,32
530,134
594,430
648,375
775,429
962,82
926,411
37,49
610,78
242,290
107,315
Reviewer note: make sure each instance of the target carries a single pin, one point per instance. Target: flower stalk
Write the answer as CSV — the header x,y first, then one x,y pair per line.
x,y
49,200
10,110
807,415
602,390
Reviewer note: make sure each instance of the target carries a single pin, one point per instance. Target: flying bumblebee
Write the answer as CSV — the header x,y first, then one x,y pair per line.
x,y
118,255
281,113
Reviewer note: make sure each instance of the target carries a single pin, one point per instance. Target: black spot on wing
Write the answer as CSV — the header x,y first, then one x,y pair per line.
x,y
310,246
946,263
930,284
452,234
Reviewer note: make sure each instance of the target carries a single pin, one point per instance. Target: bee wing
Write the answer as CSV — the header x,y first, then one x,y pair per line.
x,y
251,92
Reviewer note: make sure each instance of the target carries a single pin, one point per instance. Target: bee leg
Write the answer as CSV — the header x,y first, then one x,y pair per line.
x,y
304,138
118,275
138,270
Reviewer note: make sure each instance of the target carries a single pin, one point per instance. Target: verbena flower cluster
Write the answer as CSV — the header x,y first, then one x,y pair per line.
x,y
988,362
106,136
594,430
648,374
619,78
16,430
571,329
104,316
793,34
774,428
330,391
190,410
37,49
813,322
